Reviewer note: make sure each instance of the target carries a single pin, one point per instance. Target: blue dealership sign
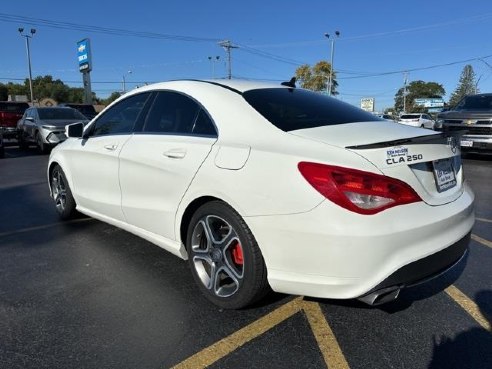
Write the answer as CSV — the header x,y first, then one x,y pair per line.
x,y
84,55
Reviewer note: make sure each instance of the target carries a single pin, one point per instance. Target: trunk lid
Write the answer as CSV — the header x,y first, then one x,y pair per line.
x,y
428,161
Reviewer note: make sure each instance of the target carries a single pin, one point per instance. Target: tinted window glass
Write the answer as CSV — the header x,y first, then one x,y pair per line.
x,y
410,116
60,113
203,125
291,109
172,113
476,102
12,107
121,117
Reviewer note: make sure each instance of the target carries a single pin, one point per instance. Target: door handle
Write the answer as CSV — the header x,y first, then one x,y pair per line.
x,y
175,153
110,147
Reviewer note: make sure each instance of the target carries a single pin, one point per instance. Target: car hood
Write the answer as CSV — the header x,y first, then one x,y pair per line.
x,y
398,151
61,122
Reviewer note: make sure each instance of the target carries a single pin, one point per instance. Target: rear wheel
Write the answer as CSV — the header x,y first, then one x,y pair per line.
x,y
61,194
224,258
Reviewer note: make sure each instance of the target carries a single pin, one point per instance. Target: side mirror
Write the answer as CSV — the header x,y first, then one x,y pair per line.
x,y
30,119
75,130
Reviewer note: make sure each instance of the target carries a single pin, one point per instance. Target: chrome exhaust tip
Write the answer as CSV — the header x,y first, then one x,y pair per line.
x,y
381,296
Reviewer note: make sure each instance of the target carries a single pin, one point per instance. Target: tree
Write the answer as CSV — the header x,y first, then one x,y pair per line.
x,y
466,85
111,98
4,92
316,78
415,90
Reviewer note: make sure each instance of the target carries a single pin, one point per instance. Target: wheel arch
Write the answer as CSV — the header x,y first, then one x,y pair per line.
x,y
188,214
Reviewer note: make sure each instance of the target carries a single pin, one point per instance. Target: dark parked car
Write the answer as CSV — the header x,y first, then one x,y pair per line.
x,y
10,113
86,109
2,148
472,116
46,126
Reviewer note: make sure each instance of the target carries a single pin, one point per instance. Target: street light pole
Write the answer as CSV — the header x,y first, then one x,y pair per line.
x,y
33,31
330,80
212,61
124,80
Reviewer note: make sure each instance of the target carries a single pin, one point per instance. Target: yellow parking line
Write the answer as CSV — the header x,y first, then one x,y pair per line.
x,y
327,341
470,307
227,345
484,220
481,240
325,338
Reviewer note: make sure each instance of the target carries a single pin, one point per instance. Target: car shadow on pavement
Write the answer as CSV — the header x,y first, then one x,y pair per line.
x,y
471,349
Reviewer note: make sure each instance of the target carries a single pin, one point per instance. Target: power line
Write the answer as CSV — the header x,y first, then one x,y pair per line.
x,y
12,18
416,69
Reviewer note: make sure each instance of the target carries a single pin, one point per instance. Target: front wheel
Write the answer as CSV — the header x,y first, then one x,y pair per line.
x,y
42,147
61,194
224,258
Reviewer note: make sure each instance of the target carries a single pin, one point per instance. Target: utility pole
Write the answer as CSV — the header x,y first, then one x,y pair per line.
x,y
227,45
33,31
405,81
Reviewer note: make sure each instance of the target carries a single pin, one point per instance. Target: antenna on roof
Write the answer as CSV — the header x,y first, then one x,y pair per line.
x,y
291,83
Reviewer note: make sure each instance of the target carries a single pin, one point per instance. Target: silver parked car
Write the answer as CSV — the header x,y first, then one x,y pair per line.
x,y
46,126
417,120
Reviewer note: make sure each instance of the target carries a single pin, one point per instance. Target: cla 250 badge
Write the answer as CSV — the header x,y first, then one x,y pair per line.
x,y
397,155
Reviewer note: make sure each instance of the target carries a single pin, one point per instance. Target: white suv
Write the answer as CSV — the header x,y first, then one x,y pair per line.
x,y
417,120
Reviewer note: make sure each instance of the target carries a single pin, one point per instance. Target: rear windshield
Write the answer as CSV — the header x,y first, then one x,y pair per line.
x,y
18,108
291,109
410,116
476,102
60,113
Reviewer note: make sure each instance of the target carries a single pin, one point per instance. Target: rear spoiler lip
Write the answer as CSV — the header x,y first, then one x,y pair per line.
x,y
419,140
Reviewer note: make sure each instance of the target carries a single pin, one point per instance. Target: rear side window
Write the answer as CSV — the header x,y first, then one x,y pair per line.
x,y
175,113
292,109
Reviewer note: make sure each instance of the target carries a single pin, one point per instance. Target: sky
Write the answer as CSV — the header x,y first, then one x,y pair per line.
x,y
151,41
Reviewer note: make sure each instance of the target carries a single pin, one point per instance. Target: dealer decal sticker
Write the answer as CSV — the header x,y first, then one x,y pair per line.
x,y
399,155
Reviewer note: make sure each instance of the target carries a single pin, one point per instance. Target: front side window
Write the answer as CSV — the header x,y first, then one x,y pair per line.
x,y
291,109
175,113
122,117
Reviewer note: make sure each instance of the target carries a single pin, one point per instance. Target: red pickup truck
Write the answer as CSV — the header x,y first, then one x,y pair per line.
x,y
10,113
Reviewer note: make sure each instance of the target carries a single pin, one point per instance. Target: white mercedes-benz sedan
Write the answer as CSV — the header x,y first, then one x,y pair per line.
x,y
264,186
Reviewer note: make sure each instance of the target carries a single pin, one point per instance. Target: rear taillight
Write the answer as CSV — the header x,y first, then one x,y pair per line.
x,y
356,190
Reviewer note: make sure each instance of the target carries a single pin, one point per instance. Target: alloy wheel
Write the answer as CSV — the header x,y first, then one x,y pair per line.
x,y
217,256
59,190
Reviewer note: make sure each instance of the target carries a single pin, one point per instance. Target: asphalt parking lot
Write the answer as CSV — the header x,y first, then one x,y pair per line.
x,y
84,294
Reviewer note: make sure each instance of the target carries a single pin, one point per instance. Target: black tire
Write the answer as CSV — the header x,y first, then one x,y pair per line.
x,y
62,195
42,147
240,270
2,152
23,144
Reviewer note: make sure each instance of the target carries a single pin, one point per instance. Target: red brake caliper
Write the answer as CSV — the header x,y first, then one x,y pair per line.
x,y
237,254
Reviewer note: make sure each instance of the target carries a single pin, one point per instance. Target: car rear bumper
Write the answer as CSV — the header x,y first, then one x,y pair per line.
x,y
333,253
478,143
9,132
